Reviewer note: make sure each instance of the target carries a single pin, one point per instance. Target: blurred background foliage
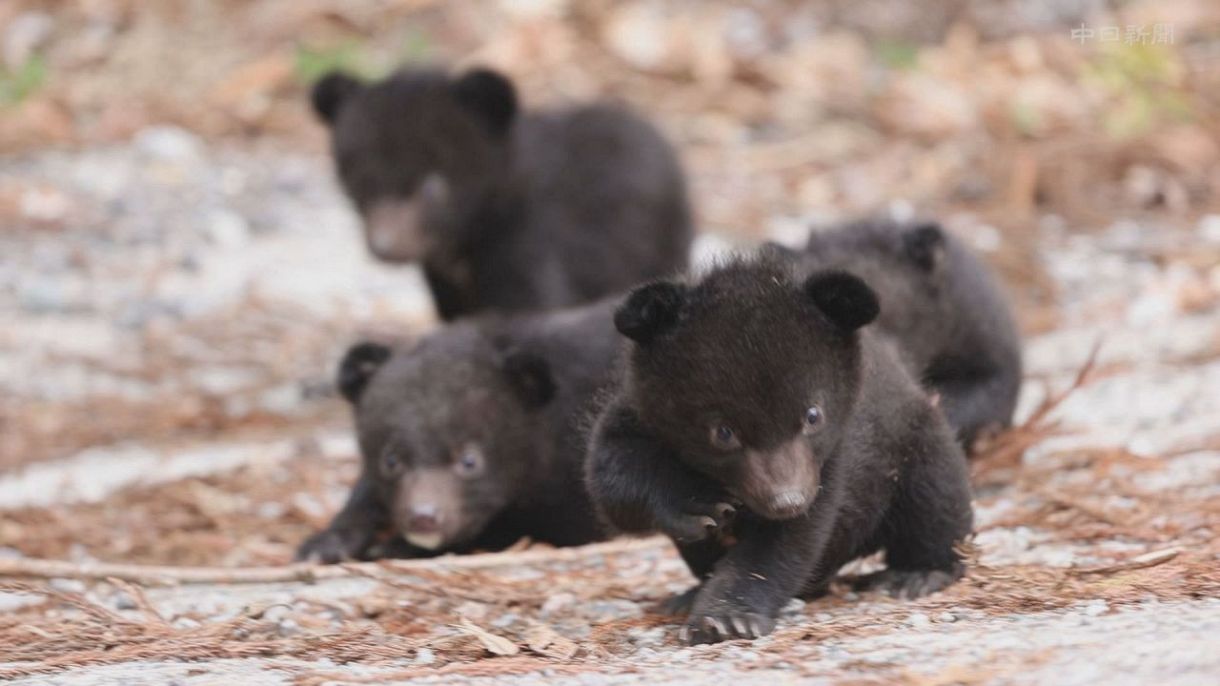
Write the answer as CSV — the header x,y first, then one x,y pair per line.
x,y
785,110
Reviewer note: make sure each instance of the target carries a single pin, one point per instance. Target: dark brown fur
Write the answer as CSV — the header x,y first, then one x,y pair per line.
x,y
752,348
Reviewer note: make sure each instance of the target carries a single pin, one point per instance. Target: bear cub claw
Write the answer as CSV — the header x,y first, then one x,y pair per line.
x,y
697,520
725,626
907,584
326,547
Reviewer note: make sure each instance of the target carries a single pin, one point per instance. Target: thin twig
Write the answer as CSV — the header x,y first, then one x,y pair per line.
x,y
159,575
1144,561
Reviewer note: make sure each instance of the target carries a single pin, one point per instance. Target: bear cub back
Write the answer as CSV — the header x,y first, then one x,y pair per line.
x,y
505,209
943,309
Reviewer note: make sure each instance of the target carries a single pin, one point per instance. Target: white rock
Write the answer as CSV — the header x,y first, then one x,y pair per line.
x,y
227,229
24,36
169,143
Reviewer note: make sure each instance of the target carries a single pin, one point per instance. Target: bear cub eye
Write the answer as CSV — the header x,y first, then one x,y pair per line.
x,y
723,437
469,461
390,463
813,420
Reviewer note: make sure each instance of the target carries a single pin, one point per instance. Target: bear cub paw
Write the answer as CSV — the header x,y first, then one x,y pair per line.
x,y
697,520
326,547
907,584
725,625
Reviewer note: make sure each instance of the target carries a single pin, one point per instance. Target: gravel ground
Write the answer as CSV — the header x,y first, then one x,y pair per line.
x,y
144,278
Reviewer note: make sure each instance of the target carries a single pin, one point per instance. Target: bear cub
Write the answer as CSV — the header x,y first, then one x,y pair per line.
x,y
505,209
943,309
774,437
473,438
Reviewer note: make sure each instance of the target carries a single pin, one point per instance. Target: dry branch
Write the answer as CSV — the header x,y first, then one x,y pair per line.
x,y
28,568
1146,560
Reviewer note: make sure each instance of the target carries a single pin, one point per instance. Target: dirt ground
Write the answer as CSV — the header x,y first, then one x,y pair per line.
x,y
179,274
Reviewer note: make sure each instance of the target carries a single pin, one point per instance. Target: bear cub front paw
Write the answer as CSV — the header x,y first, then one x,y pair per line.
x,y
328,547
697,519
908,584
725,625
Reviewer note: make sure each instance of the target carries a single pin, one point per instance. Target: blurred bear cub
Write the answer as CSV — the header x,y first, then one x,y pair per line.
x,y
505,210
774,438
473,438
943,309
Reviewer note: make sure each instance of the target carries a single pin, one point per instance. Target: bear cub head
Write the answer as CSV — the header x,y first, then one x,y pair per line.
x,y
445,429
749,375
418,153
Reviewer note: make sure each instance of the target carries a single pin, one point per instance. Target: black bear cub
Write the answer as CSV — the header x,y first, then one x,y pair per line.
x,y
943,309
503,209
473,438
774,439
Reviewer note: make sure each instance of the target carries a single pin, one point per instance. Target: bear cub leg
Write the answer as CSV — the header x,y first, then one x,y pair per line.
x,y
930,516
351,532
641,489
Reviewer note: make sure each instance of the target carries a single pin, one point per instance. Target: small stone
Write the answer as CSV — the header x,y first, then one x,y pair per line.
x,y
1096,608
122,601
276,613
919,620
68,585
683,655
946,617
505,620
1209,227
289,627
25,35
424,656
557,603
284,399
228,229
794,607
471,610
168,143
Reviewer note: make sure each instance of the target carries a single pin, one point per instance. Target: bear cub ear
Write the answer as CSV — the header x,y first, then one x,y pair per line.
x,y
530,378
844,298
358,366
650,310
925,245
330,92
490,96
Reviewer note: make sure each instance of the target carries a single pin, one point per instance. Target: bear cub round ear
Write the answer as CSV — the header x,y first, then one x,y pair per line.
x,y
844,298
490,96
650,310
925,245
358,366
530,378
330,92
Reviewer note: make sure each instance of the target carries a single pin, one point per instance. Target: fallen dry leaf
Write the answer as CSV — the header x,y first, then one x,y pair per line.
x,y
496,645
543,640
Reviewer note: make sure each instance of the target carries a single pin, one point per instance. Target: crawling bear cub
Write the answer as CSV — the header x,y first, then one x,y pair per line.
x,y
774,438
473,438
504,209
942,308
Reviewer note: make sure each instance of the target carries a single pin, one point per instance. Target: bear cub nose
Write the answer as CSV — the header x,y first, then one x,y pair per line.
x,y
424,518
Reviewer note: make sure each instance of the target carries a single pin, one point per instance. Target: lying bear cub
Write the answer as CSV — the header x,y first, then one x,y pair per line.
x,y
774,439
503,209
942,308
473,438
